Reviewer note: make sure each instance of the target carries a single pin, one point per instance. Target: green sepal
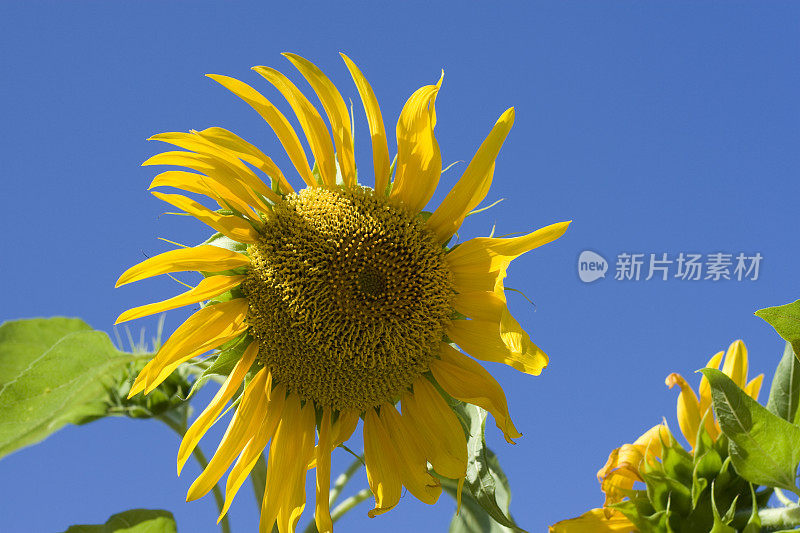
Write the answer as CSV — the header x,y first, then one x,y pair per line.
x,y
784,394
222,362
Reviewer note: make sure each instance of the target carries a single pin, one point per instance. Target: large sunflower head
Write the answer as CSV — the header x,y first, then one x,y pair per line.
x,y
339,300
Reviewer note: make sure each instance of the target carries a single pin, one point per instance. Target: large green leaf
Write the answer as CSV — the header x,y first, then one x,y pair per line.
x,y
52,372
786,321
486,482
764,448
133,521
784,395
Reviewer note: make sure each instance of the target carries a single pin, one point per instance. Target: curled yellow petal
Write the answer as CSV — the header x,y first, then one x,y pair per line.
x,y
230,226
503,343
411,463
480,305
595,521
419,161
622,468
212,411
205,290
466,380
442,435
705,387
275,119
488,254
380,149
201,184
688,408
204,258
473,185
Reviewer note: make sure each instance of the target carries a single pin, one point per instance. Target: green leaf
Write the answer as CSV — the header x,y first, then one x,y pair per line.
x,y
786,321
784,395
133,521
763,447
53,372
472,518
485,480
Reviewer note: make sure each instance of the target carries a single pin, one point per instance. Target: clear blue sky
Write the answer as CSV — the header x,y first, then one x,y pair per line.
x,y
659,127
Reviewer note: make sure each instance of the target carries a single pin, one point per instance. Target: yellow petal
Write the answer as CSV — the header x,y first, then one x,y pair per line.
x,y
411,463
230,226
205,290
487,254
735,366
212,411
335,108
345,425
205,330
204,258
382,469
595,521
442,435
275,119
754,387
291,449
688,408
466,380
380,149
622,468
247,152
419,161
473,185
222,158
480,305
312,124
217,171
322,513
252,451
503,343
201,184
705,387
244,424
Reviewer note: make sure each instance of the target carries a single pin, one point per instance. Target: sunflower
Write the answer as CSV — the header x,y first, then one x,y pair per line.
x,y
625,464
342,300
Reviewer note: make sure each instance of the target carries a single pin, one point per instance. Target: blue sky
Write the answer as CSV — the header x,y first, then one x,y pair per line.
x,y
658,127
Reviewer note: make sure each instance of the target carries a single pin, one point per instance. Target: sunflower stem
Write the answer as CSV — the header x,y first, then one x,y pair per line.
x,y
179,427
350,503
344,478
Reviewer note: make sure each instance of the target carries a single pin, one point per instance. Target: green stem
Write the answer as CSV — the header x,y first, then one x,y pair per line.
x,y
344,478
349,503
180,429
773,519
782,497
